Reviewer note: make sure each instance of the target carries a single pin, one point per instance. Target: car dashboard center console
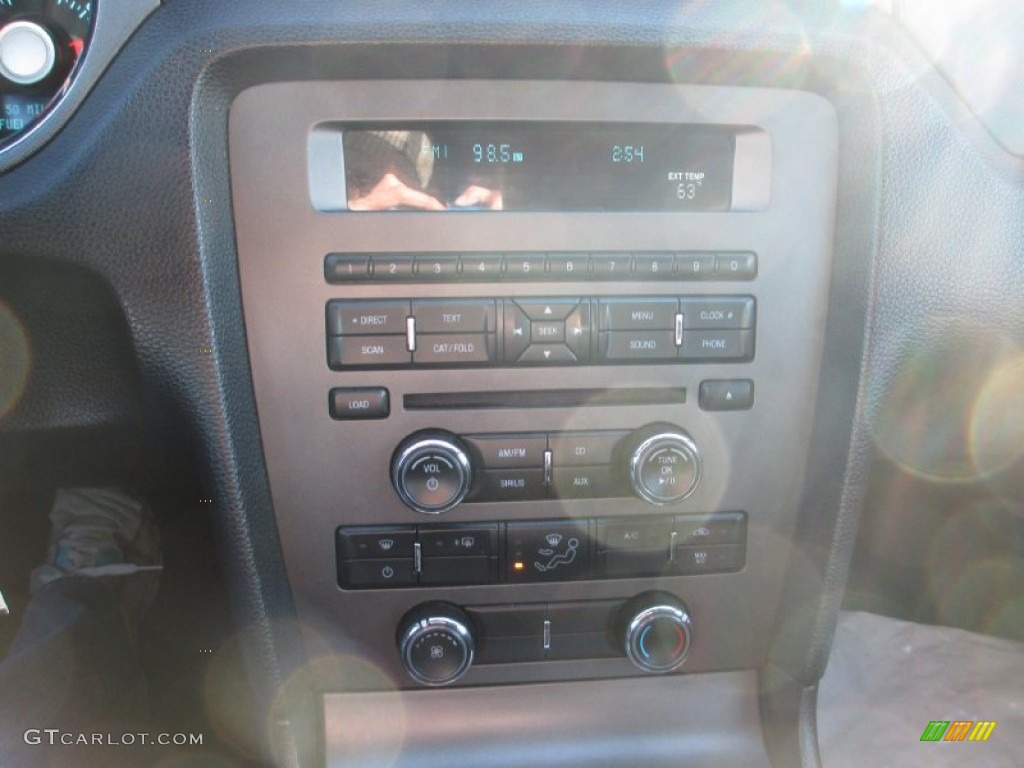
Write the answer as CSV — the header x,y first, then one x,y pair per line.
x,y
535,365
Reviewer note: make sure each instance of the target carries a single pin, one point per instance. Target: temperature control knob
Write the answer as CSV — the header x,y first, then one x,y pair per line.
x,y
431,471
658,632
436,643
665,465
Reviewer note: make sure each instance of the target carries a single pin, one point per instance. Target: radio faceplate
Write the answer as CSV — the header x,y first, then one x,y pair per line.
x,y
331,426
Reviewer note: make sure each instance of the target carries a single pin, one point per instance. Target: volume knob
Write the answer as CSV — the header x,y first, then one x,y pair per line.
x,y
431,471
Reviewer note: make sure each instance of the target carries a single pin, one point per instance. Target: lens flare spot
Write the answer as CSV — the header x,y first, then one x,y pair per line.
x,y
15,360
928,420
997,420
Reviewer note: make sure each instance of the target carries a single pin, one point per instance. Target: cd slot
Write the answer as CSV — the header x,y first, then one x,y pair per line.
x,y
541,398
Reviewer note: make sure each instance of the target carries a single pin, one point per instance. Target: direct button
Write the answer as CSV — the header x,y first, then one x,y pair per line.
x,y
350,403
360,318
447,316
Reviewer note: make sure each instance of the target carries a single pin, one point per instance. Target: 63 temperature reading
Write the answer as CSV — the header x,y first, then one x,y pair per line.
x,y
689,184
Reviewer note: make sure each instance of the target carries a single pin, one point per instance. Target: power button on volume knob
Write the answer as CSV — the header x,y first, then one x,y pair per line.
x,y
431,471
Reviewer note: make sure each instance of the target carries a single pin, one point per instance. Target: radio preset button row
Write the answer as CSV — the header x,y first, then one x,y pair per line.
x,y
340,268
540,551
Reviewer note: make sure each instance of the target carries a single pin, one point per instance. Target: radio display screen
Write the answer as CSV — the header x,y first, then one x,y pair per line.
x,y
538,166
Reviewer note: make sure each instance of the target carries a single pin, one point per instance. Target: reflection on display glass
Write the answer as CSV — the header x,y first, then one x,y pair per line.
x,y
507,166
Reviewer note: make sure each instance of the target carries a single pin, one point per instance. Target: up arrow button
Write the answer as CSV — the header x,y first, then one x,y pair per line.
x,y
726,395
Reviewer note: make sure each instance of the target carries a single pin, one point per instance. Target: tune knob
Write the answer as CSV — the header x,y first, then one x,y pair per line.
x,y
27,53
431,471
665,465
658,632
436,643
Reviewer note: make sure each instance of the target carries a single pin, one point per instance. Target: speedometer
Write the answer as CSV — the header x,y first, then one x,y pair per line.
x,y
41,44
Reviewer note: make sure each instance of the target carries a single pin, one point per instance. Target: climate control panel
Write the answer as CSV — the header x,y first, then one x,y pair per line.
x,y
439,641
524,552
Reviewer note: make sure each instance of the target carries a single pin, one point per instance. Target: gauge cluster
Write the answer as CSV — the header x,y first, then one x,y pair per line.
x,y
41,44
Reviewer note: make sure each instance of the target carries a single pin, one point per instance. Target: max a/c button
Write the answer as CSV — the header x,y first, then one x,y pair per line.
x,y
347,403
